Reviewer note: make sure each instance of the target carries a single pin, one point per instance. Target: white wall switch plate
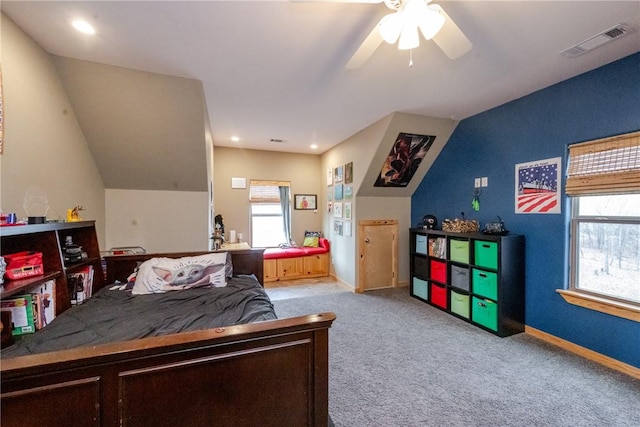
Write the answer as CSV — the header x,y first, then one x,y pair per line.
x,y
485,181
477,183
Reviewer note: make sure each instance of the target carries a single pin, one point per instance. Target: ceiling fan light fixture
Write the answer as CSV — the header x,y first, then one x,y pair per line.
x,y
390,27
409,38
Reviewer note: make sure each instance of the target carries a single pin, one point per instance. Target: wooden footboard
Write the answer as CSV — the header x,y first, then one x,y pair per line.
x,y
272,373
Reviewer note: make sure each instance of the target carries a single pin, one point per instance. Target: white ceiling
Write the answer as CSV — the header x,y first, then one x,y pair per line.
x,y
276,69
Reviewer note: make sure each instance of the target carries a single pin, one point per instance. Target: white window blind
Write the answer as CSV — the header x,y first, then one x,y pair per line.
x,y
604,166
265,191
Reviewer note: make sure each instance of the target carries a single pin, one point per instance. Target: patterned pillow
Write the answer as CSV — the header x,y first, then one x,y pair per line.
x,y
159,275
311,239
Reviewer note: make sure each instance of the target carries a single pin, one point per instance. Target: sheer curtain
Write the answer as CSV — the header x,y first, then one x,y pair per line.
x,y
286,212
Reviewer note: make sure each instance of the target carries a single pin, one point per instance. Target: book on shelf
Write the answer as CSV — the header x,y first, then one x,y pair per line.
x,y
21,309
36,302
438,247
43,296
80,285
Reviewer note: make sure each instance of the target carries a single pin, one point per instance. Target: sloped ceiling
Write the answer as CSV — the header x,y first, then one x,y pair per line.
x,y
146,131
276,69
411,124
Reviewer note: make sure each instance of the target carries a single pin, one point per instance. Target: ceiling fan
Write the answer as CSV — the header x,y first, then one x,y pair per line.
x,y
404,25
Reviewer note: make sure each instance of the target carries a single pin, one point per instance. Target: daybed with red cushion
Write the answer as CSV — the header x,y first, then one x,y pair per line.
x,y
296,263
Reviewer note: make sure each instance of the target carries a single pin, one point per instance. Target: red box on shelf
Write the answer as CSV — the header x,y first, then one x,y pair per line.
x,y
24,264
439,295
438,271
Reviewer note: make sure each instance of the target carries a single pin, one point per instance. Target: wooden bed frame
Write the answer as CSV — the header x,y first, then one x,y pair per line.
x,y
272,373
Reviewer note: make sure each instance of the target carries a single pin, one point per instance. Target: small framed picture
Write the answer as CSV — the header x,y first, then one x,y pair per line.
x,y
337,174
337,227
337,192
337,210
347,191
346,211
306,201
347,228
348,173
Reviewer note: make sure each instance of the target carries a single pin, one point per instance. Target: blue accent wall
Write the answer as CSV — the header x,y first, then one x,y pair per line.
x,y
597,104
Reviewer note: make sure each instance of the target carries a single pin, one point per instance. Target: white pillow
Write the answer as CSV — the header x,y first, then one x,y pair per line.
x,y
158,275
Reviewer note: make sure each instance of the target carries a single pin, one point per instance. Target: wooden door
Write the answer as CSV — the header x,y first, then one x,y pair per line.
x,y
378,248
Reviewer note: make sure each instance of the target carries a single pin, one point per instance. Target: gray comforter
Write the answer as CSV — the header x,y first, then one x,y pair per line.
x,y
116,315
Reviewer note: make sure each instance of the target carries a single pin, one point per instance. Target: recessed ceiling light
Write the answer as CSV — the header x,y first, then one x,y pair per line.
x,y
235,139
83,26
314,146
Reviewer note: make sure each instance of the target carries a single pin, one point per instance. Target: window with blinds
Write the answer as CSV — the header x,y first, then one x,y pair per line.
x,y
266,191
603,180
605,166
267,220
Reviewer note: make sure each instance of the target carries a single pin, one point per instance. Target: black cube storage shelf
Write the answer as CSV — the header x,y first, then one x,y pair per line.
x,y
476,277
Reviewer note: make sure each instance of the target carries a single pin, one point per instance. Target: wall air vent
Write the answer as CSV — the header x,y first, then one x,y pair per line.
x,y
597,40
277,140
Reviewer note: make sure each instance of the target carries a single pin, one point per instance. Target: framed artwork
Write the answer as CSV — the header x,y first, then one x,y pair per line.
x,y
330,194
329,176
346,214
337,227
403,160
305,201
337,192
348,173
337,174
538,187
347,191
347,228
337,210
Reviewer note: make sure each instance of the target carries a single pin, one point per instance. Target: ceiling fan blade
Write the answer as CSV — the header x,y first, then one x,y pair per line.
x,y
336,1
450,38
366,49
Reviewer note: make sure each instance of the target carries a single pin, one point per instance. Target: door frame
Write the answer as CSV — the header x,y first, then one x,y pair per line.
x,y
394,249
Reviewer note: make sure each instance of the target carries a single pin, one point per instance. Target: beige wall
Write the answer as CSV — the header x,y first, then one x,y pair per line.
x,y
44,145
159,221
359,149
302,170
367,150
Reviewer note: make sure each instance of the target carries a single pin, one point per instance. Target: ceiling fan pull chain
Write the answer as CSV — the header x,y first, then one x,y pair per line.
x,y
410,58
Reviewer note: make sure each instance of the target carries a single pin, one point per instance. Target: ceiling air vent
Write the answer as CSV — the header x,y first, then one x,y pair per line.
x,y
277,140
597,40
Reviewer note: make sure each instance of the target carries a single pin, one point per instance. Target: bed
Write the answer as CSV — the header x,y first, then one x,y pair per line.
x,y
271,372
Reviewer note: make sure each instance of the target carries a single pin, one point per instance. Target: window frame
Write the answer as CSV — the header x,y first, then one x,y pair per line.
x,y
270,200
605,166
576,220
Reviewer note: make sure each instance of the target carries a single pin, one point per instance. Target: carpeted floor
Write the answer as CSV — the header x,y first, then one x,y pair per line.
x,y
395,361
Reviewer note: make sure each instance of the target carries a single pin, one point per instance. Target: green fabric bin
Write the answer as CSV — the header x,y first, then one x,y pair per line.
x,y
460,304
486,254
485,313
459,251
484,283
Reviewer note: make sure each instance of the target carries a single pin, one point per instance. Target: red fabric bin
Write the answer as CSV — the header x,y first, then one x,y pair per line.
x,y
438,271
439,295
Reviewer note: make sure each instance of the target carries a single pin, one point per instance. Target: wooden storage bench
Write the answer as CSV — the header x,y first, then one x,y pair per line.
x,y
296,263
